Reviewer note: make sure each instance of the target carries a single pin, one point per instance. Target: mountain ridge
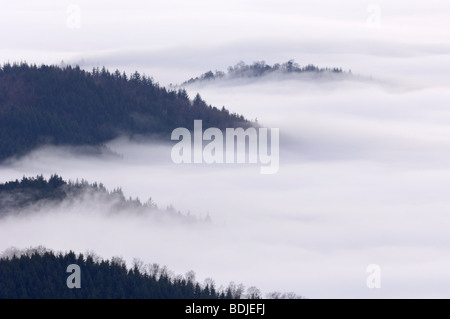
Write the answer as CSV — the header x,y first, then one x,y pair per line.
x,y
31,194
260,69
55,105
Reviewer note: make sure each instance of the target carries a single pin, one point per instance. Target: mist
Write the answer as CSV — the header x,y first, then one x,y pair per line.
x,y
364,161
363,177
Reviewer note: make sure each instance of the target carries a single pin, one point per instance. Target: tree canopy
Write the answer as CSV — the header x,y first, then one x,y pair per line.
x,y
40,273
49,104
261,69
36,192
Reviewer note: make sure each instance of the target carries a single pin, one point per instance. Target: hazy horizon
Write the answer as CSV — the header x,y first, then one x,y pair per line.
x,y
364,165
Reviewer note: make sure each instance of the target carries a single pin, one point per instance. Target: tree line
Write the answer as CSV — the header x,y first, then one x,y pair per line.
x,y
260,69
42,273
49,104
18,196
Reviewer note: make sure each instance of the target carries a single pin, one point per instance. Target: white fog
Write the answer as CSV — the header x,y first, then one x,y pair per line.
x,y
364,164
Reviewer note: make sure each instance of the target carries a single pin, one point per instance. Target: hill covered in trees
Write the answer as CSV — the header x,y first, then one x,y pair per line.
x,y
48,104
41,273
37,193
262,70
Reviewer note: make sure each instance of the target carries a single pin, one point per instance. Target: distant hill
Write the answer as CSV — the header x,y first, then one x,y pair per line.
x,y
263,70
36,194
48,104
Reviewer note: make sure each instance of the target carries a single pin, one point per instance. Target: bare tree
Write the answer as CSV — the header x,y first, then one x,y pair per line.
x,y
95,257
274,295
209,282
153,270
118,260
190,276
138,265
253,293
279,295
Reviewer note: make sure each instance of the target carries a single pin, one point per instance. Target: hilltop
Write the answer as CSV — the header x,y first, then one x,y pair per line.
x,y
55,105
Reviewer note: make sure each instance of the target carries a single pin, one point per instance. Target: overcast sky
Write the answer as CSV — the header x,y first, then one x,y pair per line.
x,y
170,40
364,166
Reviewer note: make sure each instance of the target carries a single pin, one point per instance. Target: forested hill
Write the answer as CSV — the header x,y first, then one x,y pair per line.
x,y
53,105
37,194
41,273
262,70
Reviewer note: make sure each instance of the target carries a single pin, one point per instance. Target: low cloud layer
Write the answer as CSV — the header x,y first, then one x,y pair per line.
x,y
362,180
364,165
